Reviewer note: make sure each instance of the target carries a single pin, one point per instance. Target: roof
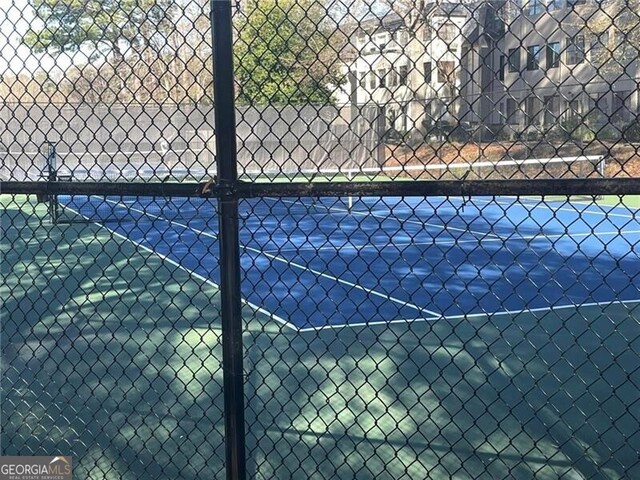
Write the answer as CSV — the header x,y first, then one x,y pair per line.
x,y
481,15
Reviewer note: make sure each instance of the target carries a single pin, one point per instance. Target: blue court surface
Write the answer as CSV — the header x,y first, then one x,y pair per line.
x,y
328,263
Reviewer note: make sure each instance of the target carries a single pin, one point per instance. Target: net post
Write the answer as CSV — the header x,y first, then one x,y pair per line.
x,y
231,306
350,177
602,166
52,176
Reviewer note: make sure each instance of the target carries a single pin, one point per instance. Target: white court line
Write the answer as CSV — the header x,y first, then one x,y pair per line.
x,y
164,219
181,267
368,246
391,217
363,324
541,309
468,316
291,264
444,166
340,280
368,324
523,203
585,234
447,242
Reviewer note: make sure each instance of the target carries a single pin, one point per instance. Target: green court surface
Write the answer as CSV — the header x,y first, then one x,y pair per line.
x,y
112,354
631,201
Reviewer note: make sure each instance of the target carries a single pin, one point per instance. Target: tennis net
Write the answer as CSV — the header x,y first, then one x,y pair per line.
x,y
593,166
80,208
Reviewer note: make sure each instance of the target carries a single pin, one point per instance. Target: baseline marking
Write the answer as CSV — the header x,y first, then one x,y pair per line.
x,y
289,263
447,242
190,272
471,315
542,309
436,316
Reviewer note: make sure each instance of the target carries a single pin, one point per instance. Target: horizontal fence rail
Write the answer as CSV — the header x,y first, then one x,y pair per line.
x,y
603,186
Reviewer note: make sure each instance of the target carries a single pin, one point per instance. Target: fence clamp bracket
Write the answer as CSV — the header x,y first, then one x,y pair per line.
x,y
208,188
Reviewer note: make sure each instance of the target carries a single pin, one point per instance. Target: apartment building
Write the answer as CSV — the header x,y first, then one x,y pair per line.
x,y
499,63
410,69
561,59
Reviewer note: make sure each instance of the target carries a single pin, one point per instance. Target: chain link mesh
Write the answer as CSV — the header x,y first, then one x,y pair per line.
x,y
437,215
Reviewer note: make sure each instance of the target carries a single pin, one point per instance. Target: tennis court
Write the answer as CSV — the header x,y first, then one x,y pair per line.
x,y
530,394
336,262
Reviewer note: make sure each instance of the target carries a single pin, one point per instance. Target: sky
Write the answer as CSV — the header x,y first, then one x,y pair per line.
x,y
15,18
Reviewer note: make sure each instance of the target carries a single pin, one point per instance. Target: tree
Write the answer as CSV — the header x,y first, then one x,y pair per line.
x,y
142,42
110,27
287,51
615,37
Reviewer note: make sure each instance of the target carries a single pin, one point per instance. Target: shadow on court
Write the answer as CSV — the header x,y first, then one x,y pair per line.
x,y
112,355
518,397
109,354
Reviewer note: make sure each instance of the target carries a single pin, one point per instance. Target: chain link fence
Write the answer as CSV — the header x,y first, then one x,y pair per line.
x,y
321,238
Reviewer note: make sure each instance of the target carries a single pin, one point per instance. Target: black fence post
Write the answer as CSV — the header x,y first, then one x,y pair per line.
x,y
231,308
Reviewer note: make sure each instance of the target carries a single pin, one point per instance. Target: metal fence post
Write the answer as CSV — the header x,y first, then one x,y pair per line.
x,y
231,307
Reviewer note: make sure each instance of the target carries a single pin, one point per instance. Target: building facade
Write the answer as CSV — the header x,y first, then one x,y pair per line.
x,y
499,65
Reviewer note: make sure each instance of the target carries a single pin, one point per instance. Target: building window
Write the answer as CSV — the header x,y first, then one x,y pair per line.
x,y
553,55
619,112
403,72
446,71
448,32
554,5
601,107
381,39
599,47
502,66
382,77
363,79
514,60
401,36
372,80
392,80
534,7
427,72
575,50
573,109
533,57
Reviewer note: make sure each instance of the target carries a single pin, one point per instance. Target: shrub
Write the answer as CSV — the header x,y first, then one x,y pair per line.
x,y
393,136
459,134
532,134
571,127
576,128
608,133
506,134
556,134
631,132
